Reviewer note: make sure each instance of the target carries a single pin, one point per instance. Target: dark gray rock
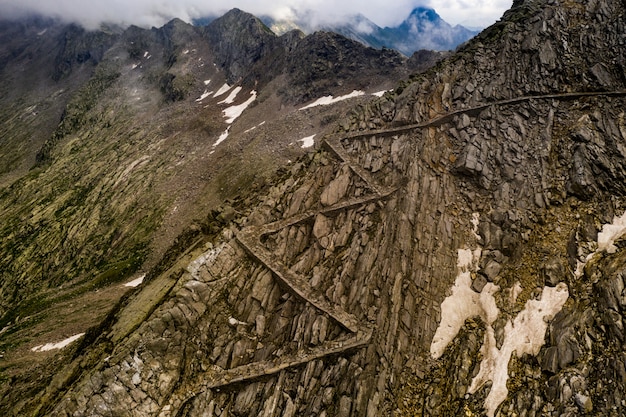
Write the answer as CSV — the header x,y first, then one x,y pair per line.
x,y
492,270
479,283
552,272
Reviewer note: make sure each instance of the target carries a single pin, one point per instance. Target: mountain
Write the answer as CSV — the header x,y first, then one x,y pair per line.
x,y
453,247
422,29
119,145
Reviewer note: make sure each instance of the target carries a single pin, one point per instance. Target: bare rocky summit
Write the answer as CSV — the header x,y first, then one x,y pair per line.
x,y
455,247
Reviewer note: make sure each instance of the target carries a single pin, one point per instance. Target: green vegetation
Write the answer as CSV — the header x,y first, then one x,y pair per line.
x,y
75,115
175,87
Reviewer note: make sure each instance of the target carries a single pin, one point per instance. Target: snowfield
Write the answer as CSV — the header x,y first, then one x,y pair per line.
x,y
58,345
326,100
223,89
231,97
307,142
524,334
233,112
136,282
222,137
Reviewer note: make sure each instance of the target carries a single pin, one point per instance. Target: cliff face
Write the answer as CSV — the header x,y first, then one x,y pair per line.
x,y
453,248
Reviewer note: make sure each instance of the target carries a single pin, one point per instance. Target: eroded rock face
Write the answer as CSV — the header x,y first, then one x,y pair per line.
x,y
325,298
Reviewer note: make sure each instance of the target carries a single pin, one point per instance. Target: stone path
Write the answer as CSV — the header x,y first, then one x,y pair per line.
x,y
360,332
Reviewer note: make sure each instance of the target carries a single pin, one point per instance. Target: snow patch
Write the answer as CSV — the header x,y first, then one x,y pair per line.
x,y
42,32
186,51
475,223
204,95
58,345
222,137
254,127
610,233
233,112
231,97
525,335
514,292
136,282
207,82
134,66
145,54
463,303
606,241
379,93
307,142
222,90
326,100
234,322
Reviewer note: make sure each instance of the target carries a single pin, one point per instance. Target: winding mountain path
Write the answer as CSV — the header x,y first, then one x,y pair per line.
x,y
360,333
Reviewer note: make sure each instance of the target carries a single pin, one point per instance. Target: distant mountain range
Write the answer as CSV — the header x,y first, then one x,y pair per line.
x,y
422,29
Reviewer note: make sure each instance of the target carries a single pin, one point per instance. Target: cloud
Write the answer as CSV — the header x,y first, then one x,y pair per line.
x,y
470,13
147,13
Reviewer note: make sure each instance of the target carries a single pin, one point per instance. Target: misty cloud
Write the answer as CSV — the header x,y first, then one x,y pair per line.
x,y
147,13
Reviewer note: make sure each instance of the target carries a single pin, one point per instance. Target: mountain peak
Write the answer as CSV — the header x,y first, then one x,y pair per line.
x,y
425,13
422,29
239,40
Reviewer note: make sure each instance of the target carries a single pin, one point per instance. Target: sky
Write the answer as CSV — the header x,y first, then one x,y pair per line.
x,y
148,13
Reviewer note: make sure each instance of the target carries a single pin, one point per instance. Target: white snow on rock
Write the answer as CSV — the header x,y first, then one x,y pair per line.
x,y
463,303
525,335
475,223
379,93
145,54
204,95
222,137
610,233
58,345
223,89
324,101
514,292
207,82
231,97
606,241
136,282
307,142
233,112
254,127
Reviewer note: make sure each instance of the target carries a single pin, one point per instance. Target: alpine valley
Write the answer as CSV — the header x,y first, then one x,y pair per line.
x,y
221,221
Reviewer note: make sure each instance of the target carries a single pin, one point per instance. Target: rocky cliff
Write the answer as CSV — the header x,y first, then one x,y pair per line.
x,y
453,248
